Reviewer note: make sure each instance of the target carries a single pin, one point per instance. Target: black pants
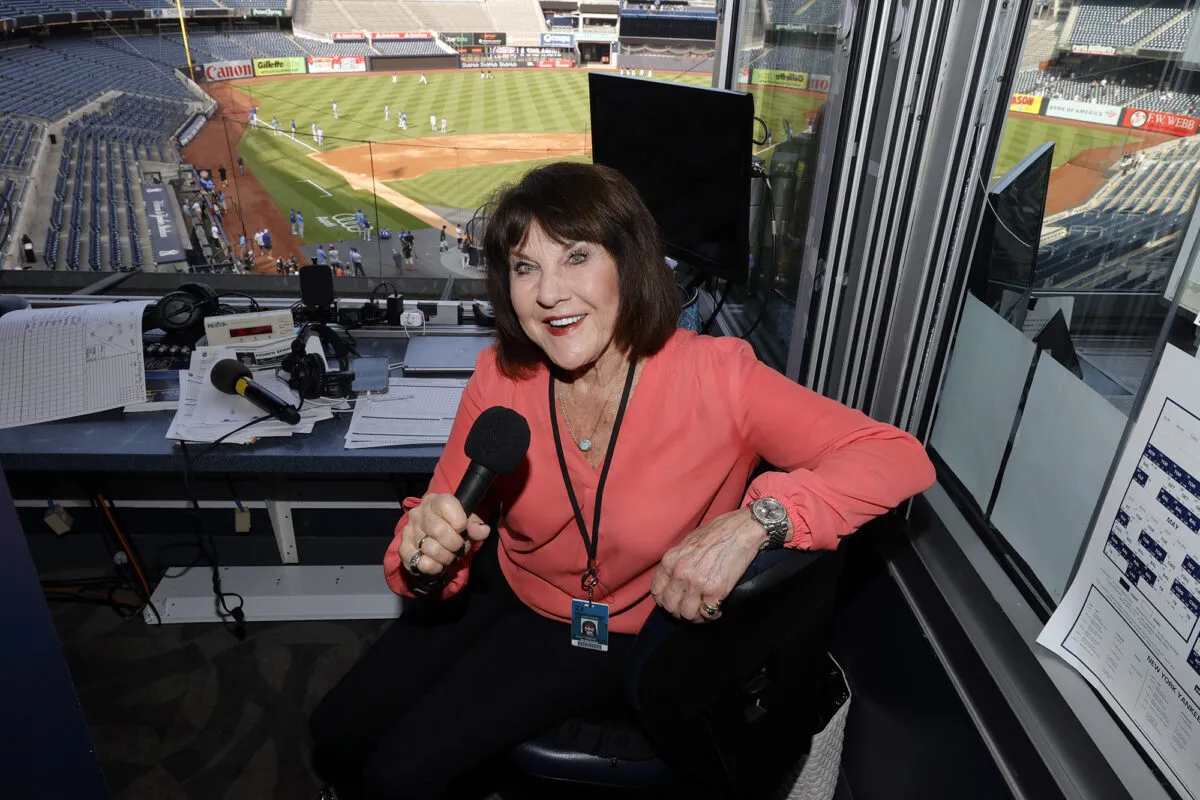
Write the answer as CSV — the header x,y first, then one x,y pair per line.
x,y
442,693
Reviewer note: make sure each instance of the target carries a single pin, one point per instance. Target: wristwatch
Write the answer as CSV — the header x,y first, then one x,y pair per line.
x,y
770,513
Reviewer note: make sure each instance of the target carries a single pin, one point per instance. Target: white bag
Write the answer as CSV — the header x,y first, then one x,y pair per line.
x,y
819,776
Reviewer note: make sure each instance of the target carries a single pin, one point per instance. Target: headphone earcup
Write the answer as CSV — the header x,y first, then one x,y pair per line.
x,y
312,382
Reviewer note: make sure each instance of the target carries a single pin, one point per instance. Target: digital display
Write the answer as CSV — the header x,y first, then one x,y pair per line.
x,y
257,330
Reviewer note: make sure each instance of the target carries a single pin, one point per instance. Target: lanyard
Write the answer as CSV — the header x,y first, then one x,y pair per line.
x,y
591,575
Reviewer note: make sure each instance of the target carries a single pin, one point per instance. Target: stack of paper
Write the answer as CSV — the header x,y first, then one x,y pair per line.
x,y
414,411
206,414
62,362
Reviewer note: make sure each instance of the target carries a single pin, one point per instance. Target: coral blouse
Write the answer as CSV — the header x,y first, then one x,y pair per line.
x,y
703,413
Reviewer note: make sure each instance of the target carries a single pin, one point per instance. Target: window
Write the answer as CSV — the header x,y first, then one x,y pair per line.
x,y
785,59
1074,276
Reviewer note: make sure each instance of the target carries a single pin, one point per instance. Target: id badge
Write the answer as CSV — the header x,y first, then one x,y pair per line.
x,y
589,625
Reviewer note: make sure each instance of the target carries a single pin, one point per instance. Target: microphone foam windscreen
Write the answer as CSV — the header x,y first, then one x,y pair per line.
x,y
225,374
498,439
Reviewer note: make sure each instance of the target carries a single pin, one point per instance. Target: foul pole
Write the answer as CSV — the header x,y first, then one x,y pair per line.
x,y
187,50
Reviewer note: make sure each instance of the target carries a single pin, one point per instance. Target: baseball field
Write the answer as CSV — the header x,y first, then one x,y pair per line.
x,y
415,176
1083,153
497,129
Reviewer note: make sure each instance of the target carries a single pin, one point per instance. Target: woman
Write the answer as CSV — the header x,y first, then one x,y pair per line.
x,y
650,429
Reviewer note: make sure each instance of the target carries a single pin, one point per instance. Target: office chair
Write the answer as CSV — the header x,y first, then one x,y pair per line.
x,y
745,694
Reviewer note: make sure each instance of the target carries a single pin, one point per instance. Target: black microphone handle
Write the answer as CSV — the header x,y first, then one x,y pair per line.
x,y
474,486
470,492
271,403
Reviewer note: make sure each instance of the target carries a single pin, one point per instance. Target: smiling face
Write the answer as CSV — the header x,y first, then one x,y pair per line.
x,y
566,296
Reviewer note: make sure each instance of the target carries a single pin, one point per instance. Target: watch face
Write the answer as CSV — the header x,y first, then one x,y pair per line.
x,y
771,511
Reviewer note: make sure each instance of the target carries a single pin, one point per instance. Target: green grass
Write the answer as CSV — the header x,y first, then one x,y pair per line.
x,y
283,169
469,187
547,101
1023,133
776,104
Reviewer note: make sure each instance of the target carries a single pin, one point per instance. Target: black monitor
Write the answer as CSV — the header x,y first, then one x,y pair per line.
x,y
1011,229
687,149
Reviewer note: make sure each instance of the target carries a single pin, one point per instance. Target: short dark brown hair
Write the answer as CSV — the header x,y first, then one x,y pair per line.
x,y
574,202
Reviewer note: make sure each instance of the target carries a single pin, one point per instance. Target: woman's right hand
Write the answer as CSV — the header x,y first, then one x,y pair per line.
x,y
441,528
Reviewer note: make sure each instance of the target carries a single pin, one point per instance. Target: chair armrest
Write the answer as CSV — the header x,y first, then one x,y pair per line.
x,y
803,581
769,570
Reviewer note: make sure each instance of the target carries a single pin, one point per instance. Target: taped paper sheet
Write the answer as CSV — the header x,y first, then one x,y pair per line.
x,y
1130,620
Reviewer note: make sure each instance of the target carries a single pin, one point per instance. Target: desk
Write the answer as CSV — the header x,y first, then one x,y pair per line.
x,y
136,466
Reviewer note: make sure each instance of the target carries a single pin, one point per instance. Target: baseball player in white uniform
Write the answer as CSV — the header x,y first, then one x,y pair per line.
x,y
433,122
402,121
335,116
386,112
443,124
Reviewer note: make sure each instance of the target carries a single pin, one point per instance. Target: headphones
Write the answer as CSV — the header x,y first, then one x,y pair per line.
x,y
306,371
185,308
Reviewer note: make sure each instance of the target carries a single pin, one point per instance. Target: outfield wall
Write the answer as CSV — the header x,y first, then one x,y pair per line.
x,y
1101,114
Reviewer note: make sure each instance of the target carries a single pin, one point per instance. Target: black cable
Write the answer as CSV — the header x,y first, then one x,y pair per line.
x,y
224,611
225,436
254,306
708,323
380,285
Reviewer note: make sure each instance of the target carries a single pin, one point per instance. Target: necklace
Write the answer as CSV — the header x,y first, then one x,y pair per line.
x,y
585,444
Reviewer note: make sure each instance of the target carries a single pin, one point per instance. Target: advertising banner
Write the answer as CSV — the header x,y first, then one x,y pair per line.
x,y
228,70
1084,112
1094,49
348,36
819,83
266,12
1160,122
491,38
318,64
166,230
394,36
457,38
779,77
1026,103
556,63
558,40
287,65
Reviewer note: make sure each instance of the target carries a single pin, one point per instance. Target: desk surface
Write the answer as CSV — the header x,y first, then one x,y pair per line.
x,y
138,443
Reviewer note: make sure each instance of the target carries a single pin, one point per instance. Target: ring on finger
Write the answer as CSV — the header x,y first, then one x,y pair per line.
x,y
413,561
711,610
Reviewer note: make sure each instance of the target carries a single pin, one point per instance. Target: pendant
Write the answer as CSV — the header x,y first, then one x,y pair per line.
x,y
585,444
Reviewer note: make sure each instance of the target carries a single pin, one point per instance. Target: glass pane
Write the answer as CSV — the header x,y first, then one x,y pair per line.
x,y
785,59
1089,201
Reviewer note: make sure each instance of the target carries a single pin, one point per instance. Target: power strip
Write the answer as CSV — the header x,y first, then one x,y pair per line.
x,y
412,319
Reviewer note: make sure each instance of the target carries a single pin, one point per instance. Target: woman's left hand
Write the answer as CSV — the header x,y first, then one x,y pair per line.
x,y
703,569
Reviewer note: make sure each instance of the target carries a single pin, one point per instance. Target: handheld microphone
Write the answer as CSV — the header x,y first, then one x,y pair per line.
x,y
496,445
233,377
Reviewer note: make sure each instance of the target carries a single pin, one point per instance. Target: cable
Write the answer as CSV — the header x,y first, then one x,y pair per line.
x,y
708,323
254,306
987,199
135,561
224,612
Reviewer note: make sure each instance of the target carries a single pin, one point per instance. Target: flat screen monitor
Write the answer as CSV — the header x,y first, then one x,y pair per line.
x,y
1012,222
687,149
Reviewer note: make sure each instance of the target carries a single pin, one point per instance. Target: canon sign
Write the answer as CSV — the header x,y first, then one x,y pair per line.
x,y
228,70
